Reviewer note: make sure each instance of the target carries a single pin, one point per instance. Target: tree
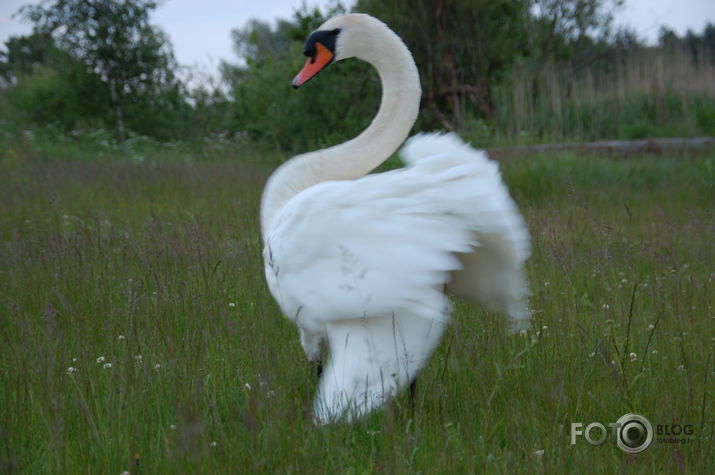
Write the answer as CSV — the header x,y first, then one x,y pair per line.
x,y
43,84
24,54
113,39
333,108
463,48
460,47
700,47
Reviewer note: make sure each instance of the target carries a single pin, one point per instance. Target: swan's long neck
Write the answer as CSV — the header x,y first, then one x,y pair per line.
x,y
352,159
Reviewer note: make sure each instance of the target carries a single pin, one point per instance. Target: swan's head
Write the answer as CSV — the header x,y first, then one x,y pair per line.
x,y
341,37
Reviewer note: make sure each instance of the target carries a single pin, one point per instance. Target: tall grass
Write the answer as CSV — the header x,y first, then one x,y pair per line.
x,y
137,333
50,143
654,92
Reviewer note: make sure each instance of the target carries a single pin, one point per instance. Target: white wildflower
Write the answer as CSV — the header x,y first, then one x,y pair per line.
x,y
121,337
522,332
651,327
172,427
157,366
605,306
633,357
71,370
592,354
539,453
107,365
212,443
681,367
654,352
100,359
247,386
231,304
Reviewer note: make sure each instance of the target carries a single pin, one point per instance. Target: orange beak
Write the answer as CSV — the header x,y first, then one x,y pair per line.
x,y
323,57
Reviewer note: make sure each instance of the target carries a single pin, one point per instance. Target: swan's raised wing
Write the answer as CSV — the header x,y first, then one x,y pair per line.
x,y
492,273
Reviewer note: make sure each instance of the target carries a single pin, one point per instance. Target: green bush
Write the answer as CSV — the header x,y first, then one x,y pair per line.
x,y
45,97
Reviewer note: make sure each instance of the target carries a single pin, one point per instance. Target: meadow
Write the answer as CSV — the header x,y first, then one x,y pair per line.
x,y
138,334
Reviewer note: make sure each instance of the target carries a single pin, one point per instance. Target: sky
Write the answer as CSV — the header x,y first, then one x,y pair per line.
x,y
200,30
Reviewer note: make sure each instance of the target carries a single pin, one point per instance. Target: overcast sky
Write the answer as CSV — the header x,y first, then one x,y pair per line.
x,y
200,30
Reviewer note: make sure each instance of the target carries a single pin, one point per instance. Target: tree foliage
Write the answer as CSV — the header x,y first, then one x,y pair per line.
x,y
115,42
464,47
92,63
47,85
25,53
327,110
699,47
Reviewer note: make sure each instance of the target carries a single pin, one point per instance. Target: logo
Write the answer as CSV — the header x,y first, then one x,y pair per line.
x,y
633,433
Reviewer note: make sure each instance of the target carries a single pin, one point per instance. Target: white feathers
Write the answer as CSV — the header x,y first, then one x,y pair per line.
x,y
492,272
365,263
370,359
362,263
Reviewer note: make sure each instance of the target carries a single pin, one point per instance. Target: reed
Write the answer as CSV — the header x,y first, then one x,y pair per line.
x,y
654,92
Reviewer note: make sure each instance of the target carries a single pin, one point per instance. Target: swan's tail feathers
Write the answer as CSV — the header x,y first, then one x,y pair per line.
x,y
492,271
371,359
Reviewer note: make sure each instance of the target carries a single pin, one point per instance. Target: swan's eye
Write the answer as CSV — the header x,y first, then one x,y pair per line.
x,y
309,50
327,38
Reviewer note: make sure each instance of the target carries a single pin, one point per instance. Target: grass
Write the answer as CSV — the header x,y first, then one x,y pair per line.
x,y
146,278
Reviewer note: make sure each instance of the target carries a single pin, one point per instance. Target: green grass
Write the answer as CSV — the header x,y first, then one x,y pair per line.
x,y
162,258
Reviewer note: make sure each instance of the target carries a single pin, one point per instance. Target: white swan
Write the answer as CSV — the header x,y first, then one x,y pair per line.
x,y
361,262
